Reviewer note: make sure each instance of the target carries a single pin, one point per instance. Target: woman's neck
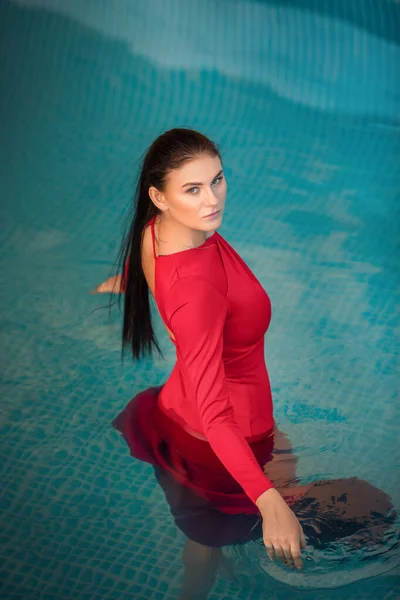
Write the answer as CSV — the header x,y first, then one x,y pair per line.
x,y
174,237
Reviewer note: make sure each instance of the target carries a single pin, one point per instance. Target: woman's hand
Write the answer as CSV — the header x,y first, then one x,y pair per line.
x,y
111,286
282,533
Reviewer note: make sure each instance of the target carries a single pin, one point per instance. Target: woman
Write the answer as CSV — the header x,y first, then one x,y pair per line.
x,y
209,430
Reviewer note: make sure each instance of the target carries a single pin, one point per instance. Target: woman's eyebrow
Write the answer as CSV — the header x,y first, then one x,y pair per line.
x,y
194,183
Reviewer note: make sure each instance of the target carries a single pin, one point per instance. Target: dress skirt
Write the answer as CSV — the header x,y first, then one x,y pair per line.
x,y
207,503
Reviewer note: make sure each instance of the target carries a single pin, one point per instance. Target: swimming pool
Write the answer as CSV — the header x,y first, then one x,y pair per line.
x,y
304,102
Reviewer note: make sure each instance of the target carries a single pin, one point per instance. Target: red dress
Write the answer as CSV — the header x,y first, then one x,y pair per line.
x,y
211,424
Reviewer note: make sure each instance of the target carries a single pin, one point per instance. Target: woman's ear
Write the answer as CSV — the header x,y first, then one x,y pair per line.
x,y
158,199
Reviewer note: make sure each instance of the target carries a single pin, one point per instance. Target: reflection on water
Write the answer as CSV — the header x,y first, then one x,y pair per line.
x,y
338,562
317,60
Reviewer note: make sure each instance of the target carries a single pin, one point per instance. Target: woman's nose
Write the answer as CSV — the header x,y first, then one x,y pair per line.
x,y
211,198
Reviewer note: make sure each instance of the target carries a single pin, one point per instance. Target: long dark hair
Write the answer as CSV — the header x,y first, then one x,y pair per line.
x,y
168,152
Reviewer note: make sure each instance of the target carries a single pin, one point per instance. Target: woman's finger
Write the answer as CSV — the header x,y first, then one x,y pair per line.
x,y
270,551
288,556
280,554
296,555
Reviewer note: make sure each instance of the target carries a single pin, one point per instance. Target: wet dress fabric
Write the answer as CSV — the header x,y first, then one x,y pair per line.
x,y
209,431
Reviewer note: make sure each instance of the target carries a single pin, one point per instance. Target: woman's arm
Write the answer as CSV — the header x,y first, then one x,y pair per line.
x,y
197,313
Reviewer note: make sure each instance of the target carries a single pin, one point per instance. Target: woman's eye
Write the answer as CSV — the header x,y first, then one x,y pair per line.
x,y
194,190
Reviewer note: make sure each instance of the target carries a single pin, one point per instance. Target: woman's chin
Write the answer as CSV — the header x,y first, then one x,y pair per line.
x,y
212,223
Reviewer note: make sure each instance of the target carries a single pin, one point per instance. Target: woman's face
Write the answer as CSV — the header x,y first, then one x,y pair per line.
x,y
194,195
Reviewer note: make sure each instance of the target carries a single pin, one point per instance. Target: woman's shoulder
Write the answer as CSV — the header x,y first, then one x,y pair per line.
x,y
191,277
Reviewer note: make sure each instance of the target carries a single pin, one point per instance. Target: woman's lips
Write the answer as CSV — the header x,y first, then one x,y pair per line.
x,y
213,215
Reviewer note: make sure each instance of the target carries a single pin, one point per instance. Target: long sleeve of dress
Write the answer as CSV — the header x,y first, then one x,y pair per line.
x,y
197,312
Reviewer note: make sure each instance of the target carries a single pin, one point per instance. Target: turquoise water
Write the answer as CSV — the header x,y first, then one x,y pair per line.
x,y
304,101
